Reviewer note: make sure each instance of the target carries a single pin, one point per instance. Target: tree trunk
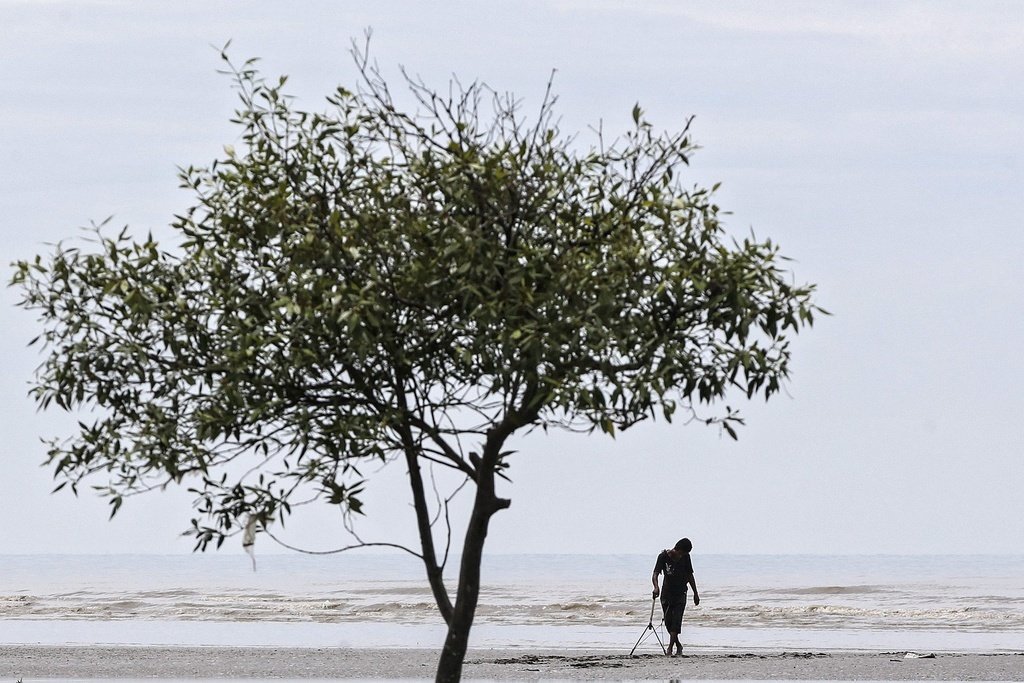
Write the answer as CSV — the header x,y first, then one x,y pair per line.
x,y
434,574
449,668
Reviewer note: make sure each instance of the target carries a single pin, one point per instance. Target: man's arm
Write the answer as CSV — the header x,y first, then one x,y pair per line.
x,y
654,579
693,582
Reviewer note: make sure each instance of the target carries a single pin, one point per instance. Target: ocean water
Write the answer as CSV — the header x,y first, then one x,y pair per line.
x,y
785,602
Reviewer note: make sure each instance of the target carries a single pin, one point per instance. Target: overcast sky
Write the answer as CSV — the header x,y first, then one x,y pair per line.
x,y
880,143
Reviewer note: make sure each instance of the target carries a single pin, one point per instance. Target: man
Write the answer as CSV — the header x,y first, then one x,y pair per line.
x,y
678,570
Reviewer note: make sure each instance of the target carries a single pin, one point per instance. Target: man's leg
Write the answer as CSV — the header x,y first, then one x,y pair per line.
x,y
673,623
666,614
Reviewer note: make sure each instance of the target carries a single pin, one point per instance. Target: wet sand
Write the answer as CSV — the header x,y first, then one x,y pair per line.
x,y
78,662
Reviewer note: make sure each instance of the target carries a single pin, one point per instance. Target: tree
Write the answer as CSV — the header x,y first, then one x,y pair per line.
x,y
371,284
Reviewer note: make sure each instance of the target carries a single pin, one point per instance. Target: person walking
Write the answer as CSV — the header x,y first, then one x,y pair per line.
x,y
675,564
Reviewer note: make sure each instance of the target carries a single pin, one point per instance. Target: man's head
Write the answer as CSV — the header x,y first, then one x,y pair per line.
x,y
683,545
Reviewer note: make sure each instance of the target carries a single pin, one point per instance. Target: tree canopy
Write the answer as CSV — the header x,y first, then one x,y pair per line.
x,y
373,283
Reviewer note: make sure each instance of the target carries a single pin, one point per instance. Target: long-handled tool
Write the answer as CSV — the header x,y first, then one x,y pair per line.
x,y
648,631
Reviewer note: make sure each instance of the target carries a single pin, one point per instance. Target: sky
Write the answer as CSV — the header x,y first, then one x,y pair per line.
x,y
879,143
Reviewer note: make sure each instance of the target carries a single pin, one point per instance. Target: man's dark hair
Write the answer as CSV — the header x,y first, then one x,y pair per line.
x,y
684,545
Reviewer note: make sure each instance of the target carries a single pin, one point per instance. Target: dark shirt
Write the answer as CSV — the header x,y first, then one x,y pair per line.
x,y
677,573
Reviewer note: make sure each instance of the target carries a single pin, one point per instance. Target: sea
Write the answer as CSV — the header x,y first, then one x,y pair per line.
x,y
950,603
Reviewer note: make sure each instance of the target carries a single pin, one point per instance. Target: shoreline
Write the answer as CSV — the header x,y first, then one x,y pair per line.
x,y
186,662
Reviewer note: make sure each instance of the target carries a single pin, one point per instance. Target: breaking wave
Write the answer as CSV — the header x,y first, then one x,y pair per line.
x,y
419,607
529,591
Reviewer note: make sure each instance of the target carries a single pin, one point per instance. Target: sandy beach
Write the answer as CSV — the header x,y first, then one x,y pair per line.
x,y
40,662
